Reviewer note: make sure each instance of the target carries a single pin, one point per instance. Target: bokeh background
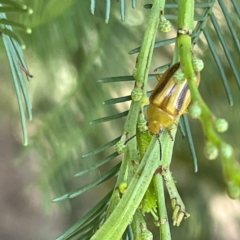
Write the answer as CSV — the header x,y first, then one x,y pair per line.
x,y
67,52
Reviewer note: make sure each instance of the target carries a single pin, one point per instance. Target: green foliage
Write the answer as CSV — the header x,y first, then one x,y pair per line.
x,y
15,57
68,40
105,232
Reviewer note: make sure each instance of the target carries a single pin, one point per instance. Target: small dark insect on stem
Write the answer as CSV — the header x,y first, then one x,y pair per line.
x,y
26,71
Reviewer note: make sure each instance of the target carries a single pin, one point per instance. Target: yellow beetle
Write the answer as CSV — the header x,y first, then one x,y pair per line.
x,y
168,100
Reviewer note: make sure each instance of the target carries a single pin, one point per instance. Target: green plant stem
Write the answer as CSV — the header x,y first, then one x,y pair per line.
x,y
141,75
145,54
230,167
138,219
186,15
165,233
116,224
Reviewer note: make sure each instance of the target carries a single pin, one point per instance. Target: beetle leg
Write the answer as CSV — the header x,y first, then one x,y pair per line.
x,y
174,126
159,77
170,134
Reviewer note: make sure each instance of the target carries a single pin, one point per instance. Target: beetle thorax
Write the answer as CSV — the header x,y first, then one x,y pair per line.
x,y
158,119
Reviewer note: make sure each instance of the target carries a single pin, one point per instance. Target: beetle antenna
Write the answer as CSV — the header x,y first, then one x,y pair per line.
x,y
134,136
131,138
160,147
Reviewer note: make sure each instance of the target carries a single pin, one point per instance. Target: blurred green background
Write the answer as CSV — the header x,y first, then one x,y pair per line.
x,y
67,52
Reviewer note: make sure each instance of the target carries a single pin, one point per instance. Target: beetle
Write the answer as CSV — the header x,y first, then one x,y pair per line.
x,y
168,101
